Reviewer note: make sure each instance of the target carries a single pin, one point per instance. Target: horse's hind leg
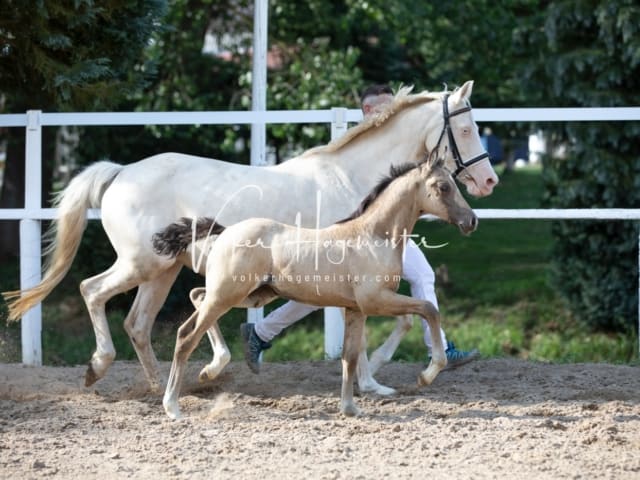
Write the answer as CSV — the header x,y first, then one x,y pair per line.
x,y
96,291
221,353
139,322
353,334
384,353
189,335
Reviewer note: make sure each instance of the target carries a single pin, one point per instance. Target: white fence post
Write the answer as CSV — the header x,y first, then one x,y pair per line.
x,y
30,249
259,102
333,317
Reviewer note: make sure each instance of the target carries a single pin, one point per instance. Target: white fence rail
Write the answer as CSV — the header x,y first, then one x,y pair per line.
x,y
31,215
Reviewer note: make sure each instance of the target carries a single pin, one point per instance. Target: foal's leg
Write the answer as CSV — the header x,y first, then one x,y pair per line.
x,y
388,302
139,322
438,355
189,335
221,353
96,291
353,335
418,272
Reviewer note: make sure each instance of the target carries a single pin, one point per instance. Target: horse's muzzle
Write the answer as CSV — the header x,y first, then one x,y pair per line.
x,y
468,223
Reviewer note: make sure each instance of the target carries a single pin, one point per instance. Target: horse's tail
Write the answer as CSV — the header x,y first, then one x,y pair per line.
x,y
176,238
83,192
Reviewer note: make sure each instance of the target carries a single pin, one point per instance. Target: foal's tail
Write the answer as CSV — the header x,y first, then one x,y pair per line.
x,y
83,192
176,238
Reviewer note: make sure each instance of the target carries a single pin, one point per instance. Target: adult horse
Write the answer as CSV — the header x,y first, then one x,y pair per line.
x,y
139,199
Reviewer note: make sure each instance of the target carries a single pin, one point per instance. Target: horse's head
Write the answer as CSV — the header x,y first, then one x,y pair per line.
x,y
465,155
442,197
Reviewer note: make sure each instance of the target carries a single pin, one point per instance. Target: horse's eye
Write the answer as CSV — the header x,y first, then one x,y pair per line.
x,y
445,187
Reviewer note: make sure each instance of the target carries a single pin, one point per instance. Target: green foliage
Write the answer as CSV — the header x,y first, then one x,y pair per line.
x,y
64,55
591,59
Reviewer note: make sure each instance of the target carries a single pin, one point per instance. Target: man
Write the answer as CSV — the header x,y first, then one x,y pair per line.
x,y
416,271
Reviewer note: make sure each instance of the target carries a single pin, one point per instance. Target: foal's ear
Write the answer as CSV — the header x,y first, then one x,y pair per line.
x,y
434,160
464,92
438,162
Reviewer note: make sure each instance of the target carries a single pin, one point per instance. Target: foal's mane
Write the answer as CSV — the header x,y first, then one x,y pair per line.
x,y
394,173
402,99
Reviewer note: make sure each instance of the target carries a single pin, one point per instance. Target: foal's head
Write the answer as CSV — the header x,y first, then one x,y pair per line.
x,y
439,195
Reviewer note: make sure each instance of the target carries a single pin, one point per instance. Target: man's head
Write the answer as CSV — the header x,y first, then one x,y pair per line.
x,y
374,97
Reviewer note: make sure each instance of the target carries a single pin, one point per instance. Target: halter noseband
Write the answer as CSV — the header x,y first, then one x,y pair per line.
x,y
455,153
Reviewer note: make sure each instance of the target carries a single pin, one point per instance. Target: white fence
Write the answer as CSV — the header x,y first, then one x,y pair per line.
x,y
31,215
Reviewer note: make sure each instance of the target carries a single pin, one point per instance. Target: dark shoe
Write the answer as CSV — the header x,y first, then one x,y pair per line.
x,y
456,358
253,346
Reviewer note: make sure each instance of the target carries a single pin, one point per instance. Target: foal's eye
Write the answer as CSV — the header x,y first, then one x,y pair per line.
x,y
466,131
445,187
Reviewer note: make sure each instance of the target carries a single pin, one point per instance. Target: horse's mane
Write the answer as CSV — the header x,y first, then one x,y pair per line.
x,y
401,100
394,173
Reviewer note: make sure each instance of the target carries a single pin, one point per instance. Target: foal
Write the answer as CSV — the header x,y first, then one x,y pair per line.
x,y
355,264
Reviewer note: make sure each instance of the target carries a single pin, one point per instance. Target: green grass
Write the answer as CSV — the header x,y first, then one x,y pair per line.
x,y
498,300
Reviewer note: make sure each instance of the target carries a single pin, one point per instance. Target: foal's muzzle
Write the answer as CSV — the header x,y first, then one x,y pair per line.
x,y
468,223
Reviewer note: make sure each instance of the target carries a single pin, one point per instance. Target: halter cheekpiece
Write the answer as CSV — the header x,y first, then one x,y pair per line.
x,y
455,153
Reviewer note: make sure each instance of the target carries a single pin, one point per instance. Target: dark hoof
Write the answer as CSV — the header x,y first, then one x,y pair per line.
x,y
90,377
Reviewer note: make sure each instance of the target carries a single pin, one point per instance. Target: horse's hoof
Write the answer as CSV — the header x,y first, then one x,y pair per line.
x,y
377,389
172,410
90,376
384,391
204,376
350,410
423,381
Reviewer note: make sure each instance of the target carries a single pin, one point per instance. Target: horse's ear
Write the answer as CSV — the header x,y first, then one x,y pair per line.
x,y
438,162
464,92
434,160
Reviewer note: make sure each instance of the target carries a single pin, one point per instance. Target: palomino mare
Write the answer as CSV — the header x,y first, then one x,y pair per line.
x,y
139,199
355,264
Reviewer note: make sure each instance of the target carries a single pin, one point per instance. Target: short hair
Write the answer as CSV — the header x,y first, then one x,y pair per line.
x,y
375,90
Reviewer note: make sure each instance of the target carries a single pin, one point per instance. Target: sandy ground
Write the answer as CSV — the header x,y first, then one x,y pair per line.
x,y
502,418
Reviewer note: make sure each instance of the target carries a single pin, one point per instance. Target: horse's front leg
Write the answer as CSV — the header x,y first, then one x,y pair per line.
x,y
354,327
384,353
438,355
221,353
388,302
